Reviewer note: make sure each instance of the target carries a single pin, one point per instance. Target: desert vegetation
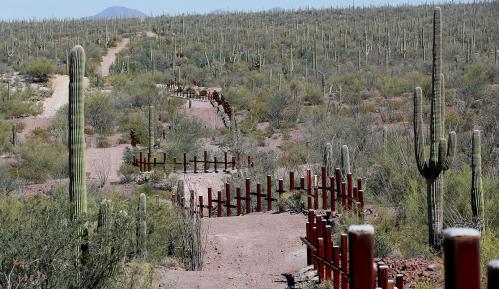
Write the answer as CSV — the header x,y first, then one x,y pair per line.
x,y
405,97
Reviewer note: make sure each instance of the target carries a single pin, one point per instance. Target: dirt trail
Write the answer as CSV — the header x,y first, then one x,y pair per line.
x,y
110,57
205,112
252,251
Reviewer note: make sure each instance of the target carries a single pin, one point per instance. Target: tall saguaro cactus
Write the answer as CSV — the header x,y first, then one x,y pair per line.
x,y
441,153
151,129
345,161
141,226
476,181
76,138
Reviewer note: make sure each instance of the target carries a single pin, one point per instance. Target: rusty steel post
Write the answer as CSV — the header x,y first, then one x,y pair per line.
x,y
258,198
291,181
249,162
383,276
164,160
493,274
280,188
336,261
361,244
140,161
201,206
308,237
328,251
359,185
344,260
154,165
361,200
185,162
316,198
399,281
219,204
174,200
205,161
215,164
316,245
239,206
390,284
148,162
343,195
309,202
233,163
333,195
324,187
320,264
302,183
225,161
269,193
462,258
355,194
248,196
174,163
309,182
339,178
228,200
210,203
195,164
350,190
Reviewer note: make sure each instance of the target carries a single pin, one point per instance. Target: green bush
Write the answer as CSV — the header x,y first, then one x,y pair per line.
x,y
39,69
100,112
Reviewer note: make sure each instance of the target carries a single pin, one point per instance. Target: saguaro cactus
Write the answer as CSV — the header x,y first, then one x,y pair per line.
x,y
328,157
14,135
141,226
76,138
476,181
441,154
345,161
151,129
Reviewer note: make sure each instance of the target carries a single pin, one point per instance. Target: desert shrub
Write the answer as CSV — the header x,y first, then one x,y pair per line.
x,y
313,95
128,172
17,108
39,69
5,136
282,109
42,159
8,182
100,112
184,136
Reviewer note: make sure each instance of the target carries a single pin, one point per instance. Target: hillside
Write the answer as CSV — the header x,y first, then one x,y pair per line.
x,y
118,12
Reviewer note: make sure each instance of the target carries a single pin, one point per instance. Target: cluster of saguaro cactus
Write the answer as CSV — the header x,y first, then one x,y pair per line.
x,y
76,138
476,182
441,153
141,234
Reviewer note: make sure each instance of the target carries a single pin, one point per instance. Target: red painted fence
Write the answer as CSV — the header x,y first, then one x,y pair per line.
x,y
194,165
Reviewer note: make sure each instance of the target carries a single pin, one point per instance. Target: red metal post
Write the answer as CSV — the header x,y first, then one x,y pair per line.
x,y
339,178
154,163
309,182
462,258
343,193
258,198
280,188
350,190
201,207
359,185
185,163
321,254
361,243
248,196
361,200
233,163
205,161
328,251
148,162
228,200
174,163
195,164
291,181
493,274
269,193
383,276
344,261
302,183
225,161
316,198
219,204
336,261
239,206
399,281
324,187
140,162
309,202
333,195
210,203
215,164
164,160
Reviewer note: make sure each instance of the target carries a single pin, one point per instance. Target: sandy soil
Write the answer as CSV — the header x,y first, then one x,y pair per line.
x,y
205,112
110,57
252,251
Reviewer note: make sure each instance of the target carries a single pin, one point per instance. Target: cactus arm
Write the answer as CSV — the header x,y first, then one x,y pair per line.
x,y
442,155
418,132
345,160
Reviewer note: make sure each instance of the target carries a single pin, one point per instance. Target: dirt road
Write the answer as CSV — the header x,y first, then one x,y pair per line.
x,y
110,57
205,112
252,251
